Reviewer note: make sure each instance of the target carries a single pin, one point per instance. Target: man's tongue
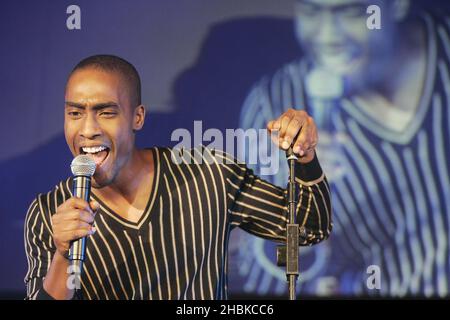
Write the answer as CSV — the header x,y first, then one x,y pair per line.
x,y
99,156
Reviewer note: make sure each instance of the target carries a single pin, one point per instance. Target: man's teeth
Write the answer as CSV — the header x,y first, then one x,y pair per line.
x,y
93,149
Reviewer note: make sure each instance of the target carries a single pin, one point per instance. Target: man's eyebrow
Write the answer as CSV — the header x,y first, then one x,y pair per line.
x,y
350,5
96,107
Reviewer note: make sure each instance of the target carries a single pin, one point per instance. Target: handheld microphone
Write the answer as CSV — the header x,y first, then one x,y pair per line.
x,y
83,167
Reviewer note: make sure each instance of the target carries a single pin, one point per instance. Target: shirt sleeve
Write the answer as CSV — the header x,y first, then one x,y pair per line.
x,y
261,208
39,251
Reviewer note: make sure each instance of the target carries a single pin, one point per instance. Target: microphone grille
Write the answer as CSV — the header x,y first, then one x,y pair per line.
x,y
323,84
83,165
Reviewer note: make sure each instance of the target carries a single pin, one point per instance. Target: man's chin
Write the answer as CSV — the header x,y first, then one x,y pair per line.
x,y
99,182
342,69
341,65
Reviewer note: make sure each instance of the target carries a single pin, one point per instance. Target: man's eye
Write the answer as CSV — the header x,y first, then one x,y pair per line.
x,y
353,11
74,113
108,114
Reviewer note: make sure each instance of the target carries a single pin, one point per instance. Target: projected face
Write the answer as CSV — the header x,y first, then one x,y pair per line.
x,y
334,34
98,121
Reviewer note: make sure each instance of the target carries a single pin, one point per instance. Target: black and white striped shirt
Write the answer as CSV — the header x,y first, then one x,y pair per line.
x,y
178,249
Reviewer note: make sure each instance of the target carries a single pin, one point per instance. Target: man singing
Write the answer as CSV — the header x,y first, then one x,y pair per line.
x,y
158,229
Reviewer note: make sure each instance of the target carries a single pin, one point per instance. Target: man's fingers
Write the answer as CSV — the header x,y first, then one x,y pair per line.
x,y
299,146
94,205
306,140
75,225
295,128
292,131
81,215
315,137
77,203
71,235
284,122
270,125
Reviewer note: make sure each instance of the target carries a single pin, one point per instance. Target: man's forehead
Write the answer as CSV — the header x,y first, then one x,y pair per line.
x,y
91,81
91,88
92,74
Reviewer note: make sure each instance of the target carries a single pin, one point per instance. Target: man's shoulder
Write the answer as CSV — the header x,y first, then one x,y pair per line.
x,y
47,202
291,71
44,205
196,155
272,92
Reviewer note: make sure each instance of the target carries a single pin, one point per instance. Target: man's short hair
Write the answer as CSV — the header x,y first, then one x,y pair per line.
x,y
111,63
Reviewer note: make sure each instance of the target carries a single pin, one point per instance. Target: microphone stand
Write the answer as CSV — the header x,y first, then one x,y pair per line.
x,y
287,255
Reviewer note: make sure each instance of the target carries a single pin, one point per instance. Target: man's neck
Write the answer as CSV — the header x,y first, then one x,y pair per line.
x,y
405,72
127,185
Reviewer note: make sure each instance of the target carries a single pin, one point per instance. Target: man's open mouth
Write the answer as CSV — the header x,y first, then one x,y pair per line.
x,y
98,153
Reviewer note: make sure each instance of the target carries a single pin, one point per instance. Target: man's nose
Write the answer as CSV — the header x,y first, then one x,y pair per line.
x,y
329,28
91,128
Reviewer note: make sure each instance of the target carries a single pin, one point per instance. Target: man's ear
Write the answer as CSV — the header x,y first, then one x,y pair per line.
x,y
400,9
138,117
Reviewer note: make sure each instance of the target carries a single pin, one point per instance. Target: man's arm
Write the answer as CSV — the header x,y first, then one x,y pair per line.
x,y
260,207
39,250
47,275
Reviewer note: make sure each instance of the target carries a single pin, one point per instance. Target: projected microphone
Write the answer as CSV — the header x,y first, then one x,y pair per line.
x,y
83,167
323,89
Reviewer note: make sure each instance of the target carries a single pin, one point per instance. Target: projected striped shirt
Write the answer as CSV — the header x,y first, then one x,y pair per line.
x,y
390,188
178,249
